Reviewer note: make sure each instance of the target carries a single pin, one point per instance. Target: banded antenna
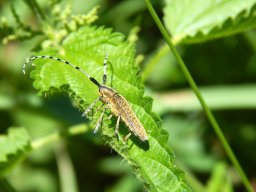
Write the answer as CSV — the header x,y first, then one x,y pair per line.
x,y
66,62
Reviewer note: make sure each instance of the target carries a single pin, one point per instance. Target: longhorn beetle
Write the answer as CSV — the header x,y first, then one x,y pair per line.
x,y
118,105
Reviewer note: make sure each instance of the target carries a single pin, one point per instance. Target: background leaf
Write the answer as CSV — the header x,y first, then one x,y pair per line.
x,y
199,20
219,180
13,148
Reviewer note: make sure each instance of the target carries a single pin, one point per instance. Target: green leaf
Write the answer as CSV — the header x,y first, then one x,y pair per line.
x,y
220,179
13,148
200,20
153,162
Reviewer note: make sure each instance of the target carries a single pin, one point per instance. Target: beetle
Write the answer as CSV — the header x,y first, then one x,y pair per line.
x,y
110,98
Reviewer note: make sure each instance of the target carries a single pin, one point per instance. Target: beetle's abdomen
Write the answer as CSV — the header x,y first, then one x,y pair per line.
x,y
120,106
123,108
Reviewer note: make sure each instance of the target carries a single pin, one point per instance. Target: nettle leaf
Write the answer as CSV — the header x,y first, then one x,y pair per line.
x,y
13,148
153,162
200,20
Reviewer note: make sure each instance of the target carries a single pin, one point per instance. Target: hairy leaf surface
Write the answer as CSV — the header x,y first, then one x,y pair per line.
x,y
153,162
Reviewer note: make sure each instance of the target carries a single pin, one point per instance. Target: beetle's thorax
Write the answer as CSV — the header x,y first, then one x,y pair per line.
x,y
107,94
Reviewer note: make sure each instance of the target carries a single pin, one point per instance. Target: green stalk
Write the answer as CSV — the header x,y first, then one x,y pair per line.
x,y
33,5
54,137
200,98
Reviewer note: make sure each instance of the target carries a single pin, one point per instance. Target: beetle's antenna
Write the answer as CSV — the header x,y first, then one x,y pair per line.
x,y
105,70
63,61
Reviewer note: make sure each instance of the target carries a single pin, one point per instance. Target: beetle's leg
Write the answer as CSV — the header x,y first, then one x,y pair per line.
x,y
90,107
110,116
117,125
99,121
127,137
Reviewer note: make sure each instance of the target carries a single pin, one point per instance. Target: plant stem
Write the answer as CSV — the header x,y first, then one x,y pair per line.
x,y
67,176
200,98
75,130
33,5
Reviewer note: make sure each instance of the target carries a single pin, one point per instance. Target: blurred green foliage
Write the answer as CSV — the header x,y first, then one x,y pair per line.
x,y
224,68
